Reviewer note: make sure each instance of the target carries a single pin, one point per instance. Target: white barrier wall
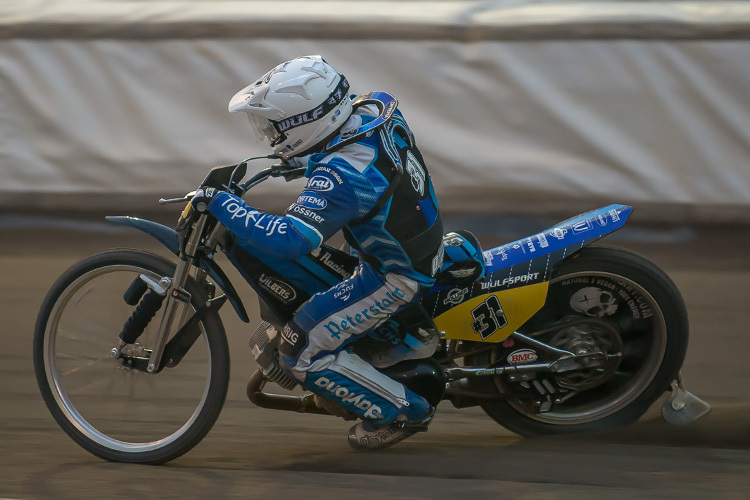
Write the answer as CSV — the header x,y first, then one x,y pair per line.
x,y
515,108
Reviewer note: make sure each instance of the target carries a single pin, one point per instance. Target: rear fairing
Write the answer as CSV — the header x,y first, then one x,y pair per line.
x,y
514,286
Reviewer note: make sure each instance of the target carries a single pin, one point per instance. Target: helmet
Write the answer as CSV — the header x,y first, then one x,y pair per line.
x,y
296,105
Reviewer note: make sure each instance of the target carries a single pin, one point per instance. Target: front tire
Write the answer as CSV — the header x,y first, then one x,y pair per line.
x,y
620,301
116,413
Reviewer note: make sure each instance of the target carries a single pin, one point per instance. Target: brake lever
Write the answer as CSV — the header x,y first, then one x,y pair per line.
x,y
287,171
187,197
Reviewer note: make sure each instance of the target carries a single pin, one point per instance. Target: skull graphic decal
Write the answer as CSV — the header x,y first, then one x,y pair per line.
x,y
593,302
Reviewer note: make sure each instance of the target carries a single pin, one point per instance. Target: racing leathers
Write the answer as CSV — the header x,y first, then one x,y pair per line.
x,y
400,250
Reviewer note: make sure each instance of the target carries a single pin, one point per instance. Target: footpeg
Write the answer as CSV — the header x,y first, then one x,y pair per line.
x,y
683,407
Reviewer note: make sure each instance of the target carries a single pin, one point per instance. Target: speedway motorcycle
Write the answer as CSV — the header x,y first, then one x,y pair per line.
x,y
546,334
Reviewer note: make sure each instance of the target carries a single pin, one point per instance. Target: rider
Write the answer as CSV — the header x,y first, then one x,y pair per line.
x,y
367,178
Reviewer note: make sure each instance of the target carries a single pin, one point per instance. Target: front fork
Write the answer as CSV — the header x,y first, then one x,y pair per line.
x,y
175,297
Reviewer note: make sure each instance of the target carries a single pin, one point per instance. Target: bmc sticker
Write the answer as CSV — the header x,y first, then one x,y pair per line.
x,y
522,356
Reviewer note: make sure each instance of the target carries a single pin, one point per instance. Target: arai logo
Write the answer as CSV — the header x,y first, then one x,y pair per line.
x,y
320,183
522,356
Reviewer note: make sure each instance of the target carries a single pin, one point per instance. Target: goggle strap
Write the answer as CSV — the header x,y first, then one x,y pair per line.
x,y
334,99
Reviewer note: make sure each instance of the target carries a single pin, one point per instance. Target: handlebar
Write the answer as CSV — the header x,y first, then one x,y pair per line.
x,y
283,169
223,178
286,171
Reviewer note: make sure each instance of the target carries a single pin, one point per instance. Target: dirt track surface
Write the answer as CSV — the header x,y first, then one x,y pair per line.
x,y
256,453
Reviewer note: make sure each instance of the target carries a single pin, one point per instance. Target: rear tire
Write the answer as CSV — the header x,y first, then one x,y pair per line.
x,y
103,406
654,339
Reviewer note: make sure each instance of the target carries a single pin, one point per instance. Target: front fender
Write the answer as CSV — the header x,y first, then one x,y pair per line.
x,y
168,237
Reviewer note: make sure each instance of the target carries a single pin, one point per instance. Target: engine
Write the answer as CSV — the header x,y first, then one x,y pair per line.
x,y
264,345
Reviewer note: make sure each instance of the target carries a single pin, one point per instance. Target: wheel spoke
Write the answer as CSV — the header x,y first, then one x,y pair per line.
x,y
87,365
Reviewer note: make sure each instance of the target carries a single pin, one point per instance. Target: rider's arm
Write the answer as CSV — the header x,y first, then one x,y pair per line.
x,y
259,230
331,199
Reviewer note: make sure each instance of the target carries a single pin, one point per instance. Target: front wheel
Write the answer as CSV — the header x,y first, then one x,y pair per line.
x,y
119,413
603,300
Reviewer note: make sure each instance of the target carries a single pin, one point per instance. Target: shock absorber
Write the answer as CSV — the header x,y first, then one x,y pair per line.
x,y
149,304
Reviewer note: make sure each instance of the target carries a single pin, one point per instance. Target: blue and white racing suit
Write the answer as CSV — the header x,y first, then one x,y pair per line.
x,y
400,249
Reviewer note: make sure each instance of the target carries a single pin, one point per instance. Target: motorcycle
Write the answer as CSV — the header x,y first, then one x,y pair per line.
x,y
546,334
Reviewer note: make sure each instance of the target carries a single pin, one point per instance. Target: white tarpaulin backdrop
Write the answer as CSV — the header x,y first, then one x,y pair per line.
x,y
91,105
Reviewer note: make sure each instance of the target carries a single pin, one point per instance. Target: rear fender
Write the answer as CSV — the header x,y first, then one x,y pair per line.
x,y
168,237
558,242
517,276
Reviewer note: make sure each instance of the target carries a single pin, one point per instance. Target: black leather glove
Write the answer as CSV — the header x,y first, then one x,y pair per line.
x,y
203,197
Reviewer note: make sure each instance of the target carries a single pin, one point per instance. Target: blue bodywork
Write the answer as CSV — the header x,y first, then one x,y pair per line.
x,y
529,260
569,236
166,235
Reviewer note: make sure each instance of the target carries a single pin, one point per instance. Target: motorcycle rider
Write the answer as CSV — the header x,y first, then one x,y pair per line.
x,y
367,178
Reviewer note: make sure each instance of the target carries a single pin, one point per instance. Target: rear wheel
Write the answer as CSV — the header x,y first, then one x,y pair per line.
x,y
114,412
600,300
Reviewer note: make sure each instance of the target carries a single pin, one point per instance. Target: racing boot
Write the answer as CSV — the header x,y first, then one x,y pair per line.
x,y
367,436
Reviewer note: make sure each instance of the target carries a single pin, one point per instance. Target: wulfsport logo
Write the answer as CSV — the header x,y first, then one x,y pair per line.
x,y
348,397
301,119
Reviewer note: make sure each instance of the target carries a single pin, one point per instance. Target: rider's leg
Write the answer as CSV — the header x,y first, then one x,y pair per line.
x,y
312,348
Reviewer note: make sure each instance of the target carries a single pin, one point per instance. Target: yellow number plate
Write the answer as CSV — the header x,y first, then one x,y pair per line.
x,y
493,317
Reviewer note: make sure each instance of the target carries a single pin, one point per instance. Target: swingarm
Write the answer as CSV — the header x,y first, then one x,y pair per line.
x,y
567,363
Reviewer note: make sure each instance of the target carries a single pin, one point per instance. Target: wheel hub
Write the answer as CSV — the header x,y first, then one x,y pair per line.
x,y
588,337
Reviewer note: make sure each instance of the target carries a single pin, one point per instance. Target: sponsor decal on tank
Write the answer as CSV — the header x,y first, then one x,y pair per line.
x,y
278,288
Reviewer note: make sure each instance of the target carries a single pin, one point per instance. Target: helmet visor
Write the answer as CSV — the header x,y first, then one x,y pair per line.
x,y
263,128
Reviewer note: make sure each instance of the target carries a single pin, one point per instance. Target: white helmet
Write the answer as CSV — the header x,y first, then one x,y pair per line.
x,y
296,105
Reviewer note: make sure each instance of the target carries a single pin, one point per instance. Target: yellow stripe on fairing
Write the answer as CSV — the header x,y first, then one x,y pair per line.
x,y
519,305
186,210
